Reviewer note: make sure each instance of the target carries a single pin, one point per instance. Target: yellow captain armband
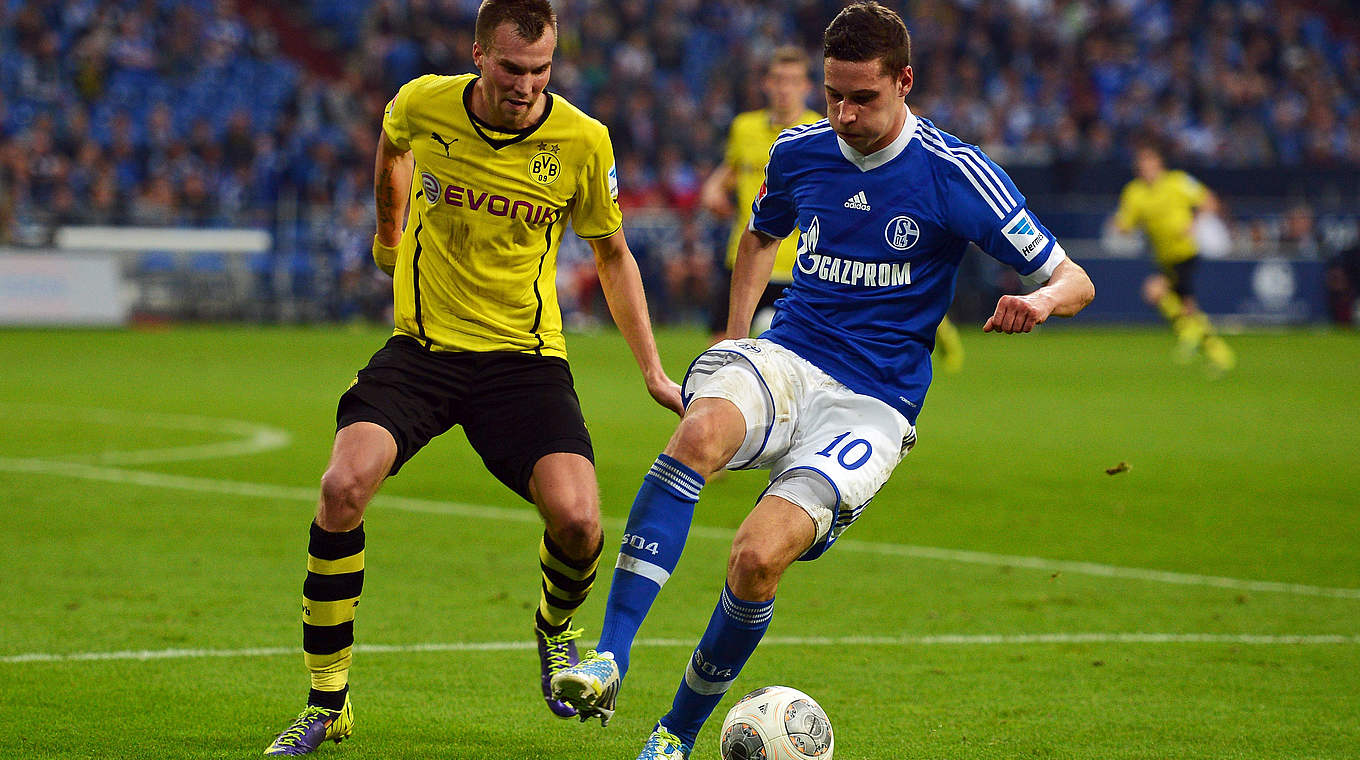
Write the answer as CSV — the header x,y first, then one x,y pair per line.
x,y
385,256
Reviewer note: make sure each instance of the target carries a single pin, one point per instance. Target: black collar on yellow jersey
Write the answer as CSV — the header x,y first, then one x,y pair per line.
x,y
483,129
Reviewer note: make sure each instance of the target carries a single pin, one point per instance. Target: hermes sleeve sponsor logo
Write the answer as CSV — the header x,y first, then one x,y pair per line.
x,y
1024,234
482,202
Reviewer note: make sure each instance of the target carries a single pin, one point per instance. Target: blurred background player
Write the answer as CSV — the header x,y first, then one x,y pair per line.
x,y
728,191
1163,203
478,339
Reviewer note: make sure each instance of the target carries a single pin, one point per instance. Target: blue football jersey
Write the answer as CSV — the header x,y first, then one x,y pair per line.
x,y
881,238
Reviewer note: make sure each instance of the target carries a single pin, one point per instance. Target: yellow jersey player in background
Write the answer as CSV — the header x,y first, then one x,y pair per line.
x,y
786,86
1162,203
485,171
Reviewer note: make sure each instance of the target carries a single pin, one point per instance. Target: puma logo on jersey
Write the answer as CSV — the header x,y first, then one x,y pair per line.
x,y
447,145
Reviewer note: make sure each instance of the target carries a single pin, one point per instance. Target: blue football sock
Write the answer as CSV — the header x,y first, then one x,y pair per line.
x,y
658,525
733,633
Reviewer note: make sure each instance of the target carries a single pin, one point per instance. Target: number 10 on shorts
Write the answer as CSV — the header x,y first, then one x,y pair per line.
x,y
852,455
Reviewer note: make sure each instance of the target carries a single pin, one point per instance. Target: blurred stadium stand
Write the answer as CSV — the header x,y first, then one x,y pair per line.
x,y
259,115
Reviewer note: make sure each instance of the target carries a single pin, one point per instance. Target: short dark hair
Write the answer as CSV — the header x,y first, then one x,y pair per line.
x,y
866,30
788,54
1152,142
530,17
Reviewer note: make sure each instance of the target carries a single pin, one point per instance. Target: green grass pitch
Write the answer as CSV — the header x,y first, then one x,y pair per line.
x,y
1003,597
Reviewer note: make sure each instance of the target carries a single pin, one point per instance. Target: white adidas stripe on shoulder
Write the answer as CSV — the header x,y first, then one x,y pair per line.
x,y
789,135
989,175
806,127
978,169
969,161
968,173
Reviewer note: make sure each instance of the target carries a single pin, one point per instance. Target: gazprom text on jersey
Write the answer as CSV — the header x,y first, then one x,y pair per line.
x,y
869,274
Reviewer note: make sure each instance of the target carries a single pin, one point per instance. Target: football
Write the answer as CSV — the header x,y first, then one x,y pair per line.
x,y
776,723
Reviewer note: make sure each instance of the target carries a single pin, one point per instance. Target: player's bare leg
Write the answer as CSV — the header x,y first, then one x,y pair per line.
x,y
361,458
1188,329
1194,332
564,489
770,539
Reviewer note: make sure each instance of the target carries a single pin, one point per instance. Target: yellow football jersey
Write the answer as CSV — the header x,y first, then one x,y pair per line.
x,y
477,264
748,150
1165,211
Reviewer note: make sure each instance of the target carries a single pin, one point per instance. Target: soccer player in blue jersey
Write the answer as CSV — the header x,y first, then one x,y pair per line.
x,y
827,398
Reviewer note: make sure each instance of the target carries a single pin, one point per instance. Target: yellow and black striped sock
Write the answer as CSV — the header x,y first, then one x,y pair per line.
x,y
1170,306
1190,327
566,584
335,578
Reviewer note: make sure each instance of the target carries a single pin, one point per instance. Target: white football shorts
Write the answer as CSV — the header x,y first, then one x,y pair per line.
x,y
828,449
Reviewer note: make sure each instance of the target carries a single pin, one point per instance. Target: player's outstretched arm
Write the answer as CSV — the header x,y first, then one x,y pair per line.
x,y
1066,293
392,173
622,285
750,275
716,193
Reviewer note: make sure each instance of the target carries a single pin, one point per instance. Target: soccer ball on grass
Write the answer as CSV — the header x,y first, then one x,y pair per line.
x,y
776,723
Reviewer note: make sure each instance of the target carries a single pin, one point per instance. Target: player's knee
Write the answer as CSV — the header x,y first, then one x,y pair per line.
x,y
576,530
344,496
1154,288
699,444
754,570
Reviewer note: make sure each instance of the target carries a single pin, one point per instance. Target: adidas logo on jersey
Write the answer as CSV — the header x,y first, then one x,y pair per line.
x,y
858,201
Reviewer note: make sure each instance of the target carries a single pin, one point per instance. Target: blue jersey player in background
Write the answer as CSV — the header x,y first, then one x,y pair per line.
x,y
827,398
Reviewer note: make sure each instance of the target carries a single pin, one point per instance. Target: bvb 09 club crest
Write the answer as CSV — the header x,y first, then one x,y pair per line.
x,y
544,167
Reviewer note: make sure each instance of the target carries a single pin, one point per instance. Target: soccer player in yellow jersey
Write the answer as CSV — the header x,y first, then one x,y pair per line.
x,y
486,171
1162,203
786,86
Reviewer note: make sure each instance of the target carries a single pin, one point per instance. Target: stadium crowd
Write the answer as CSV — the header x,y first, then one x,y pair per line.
x,y
189,112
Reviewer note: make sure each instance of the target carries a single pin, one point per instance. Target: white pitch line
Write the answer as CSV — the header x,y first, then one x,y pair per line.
x,y
802,641
485,512
1092,568
254,437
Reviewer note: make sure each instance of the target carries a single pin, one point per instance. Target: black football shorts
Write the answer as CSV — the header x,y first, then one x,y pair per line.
x,y
1182,276
515,408
722,295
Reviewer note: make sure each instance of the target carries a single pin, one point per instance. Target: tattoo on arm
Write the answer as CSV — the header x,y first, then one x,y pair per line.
x,y
383,194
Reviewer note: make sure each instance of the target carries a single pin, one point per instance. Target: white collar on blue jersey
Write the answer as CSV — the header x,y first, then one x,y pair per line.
x,y
885,154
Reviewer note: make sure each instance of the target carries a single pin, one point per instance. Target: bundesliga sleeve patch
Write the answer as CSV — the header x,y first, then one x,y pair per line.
x,y
1025,235
614,181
